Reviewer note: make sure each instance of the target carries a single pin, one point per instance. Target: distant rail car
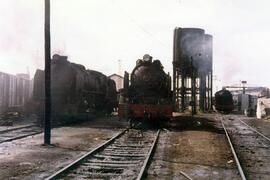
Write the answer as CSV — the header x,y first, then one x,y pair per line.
x,y
15,91
148,95
224,101
77,93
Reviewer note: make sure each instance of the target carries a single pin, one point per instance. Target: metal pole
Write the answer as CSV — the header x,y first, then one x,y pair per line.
x,y
211,91
202,90
208,92
183,87
47,126
193,88
175,59
194,94
177,91
174,88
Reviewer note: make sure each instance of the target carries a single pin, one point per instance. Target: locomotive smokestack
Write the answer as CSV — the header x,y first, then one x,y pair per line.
x,y
147,57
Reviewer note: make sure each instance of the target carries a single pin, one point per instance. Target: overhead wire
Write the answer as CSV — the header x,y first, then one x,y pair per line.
x,y
142,28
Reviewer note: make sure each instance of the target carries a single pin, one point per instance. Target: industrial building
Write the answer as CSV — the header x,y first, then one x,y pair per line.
x,y
15,90
246,98
118,81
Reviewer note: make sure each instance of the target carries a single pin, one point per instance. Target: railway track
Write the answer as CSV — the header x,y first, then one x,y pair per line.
x,y
18,133
254,149
239,166
254,130
125,156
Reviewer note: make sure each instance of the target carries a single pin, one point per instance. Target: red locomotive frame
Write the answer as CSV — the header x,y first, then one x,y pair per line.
x,y
149,111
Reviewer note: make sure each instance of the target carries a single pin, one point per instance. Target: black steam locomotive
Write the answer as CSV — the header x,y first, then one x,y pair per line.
x,y
76,93
148,94
224,101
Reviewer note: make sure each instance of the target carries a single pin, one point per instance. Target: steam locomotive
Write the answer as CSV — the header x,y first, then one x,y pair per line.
x,y
76,93
224,101
148,95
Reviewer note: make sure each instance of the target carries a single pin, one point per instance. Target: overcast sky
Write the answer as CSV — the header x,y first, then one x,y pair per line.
x,y
97,33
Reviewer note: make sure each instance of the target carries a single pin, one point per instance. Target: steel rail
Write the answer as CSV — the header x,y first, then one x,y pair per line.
x,y
20,137
17,128
147,160
23,135
185,175
240,169
64,170
253,129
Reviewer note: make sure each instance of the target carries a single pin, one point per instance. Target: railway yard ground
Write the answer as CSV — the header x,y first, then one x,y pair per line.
x,y
199,154
27,158
187,148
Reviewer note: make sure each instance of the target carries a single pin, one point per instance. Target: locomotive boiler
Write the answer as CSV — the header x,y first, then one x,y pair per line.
x,y
148,93
76,93
224,101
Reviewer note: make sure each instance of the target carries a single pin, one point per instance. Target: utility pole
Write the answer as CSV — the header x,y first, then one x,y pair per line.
x,y
47,38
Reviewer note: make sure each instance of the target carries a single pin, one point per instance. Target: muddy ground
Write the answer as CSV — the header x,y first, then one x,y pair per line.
x,y
252,149
199,154
262,125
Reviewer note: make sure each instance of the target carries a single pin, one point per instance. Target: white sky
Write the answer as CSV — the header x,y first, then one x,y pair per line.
x,y
97,33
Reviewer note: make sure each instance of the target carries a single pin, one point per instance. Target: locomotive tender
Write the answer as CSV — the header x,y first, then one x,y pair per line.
x,y
148,95
76,92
